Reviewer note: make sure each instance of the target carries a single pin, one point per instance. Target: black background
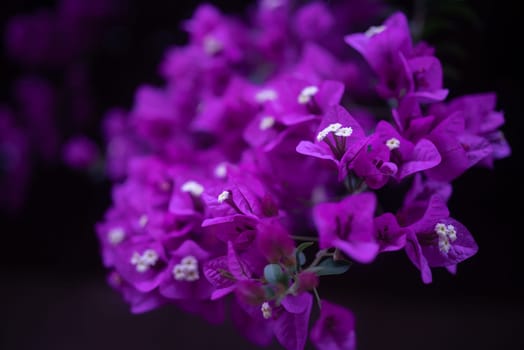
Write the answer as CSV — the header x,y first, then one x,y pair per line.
x,y
52,288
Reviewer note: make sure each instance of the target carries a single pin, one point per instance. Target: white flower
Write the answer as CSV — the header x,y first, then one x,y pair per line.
x,y
344,132
266,123
224,196
393,143
221,170
327,130
142,221
116,235
374,30
446,234
266,95
266,310
306,94
193,187
145,260
187,270
212,45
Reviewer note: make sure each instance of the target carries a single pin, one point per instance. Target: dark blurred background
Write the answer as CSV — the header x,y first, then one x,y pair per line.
x,y
53,292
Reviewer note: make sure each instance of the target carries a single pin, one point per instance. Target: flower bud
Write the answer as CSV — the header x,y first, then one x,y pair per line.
x,y
307,280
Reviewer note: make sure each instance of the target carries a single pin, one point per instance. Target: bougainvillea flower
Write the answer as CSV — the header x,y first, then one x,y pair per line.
x,y
437,240
382,47
295,102
373,165
139,302
184,277
388,233
335,329
339,139
221,188
409,157
480,119
445,136
313,21
424,77
348,225
291,326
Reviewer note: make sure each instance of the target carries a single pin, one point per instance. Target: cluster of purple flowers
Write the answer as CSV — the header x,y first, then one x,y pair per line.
x,y
255,142
51,97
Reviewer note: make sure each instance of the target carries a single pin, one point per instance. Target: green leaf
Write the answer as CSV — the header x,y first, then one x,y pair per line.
x,y
304,245
331,267
301,259
299,255
273,274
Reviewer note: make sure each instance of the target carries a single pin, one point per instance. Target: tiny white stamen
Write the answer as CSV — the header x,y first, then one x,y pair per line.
x,y
193,187
221,170
189,260
333,127
187,270
322,135
266,95
266,123
452,233
135,259
116,235
178,273
329,129
393,143
306,94
374,30
443,244
142,221
440,229
266,310
344,132
142,267
223,196
149,257
192,275
212,45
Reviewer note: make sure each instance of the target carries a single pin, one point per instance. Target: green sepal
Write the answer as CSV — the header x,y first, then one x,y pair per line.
x,y
331,267
274,274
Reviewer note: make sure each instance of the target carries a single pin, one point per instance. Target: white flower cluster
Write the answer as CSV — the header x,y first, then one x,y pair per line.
x,y
143,262
335,128
187,270
446,234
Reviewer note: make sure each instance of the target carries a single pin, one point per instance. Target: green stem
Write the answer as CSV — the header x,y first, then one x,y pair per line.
x,y
320,255
317,297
